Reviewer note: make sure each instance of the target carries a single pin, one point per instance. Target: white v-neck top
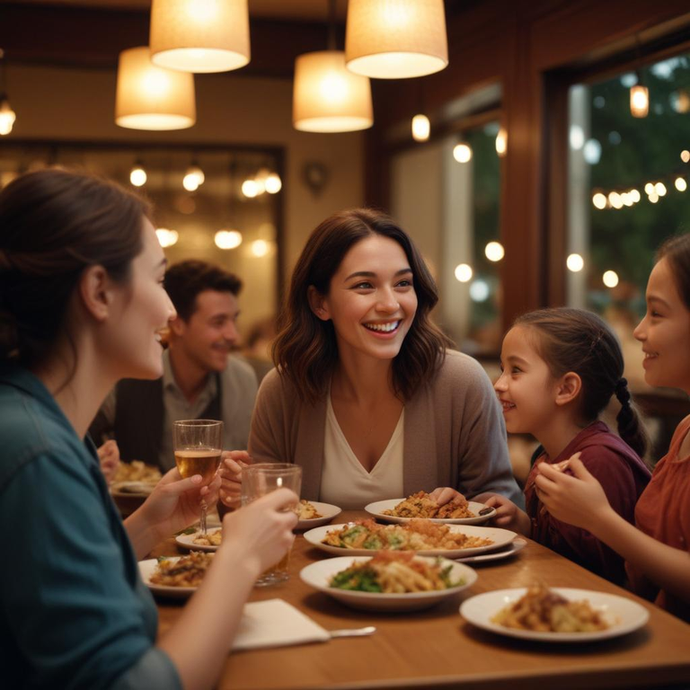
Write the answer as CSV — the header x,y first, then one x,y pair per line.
x,y
345,482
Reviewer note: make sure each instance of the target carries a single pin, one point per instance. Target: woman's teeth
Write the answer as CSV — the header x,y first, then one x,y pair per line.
x,y
382,327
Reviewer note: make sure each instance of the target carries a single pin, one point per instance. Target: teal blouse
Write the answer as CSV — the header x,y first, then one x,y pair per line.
x,y
74,613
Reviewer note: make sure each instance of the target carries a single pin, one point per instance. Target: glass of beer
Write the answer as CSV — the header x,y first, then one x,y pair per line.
x,y
198,444
257,481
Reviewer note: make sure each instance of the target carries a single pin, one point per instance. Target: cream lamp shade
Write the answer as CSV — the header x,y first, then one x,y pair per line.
x,y
396,39
200,35
328,98
150,97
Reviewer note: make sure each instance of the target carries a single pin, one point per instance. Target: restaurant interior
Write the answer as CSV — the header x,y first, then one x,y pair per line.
x,y
538,156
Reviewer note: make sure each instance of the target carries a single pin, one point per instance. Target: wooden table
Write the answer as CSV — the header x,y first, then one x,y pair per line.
x,y
436,648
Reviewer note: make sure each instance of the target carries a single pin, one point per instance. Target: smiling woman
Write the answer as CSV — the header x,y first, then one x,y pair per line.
x,y
366,396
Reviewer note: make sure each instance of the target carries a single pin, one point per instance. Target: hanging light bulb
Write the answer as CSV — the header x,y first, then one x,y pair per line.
x,y
421,128
200,35
494,251
150,97
501,142
575,263
260,248
639,98
193,178
463,273
7,115
273,183
250,188
137,175
396,39
328,98
462,153
228,239
166,238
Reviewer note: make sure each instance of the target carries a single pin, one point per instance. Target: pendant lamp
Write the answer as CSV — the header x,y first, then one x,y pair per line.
x,y
150,97
396,39
200,35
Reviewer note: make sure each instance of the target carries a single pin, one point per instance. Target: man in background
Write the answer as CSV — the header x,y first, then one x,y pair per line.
x,y
201,380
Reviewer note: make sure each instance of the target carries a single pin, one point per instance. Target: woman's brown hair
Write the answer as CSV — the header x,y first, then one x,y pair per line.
x,y
579,341
54,224
306,351
676,251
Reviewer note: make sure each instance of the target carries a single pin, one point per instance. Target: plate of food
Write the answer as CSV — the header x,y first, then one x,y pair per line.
x,y
362,537
176,577
554,614
314,513
389,581
193,540
420,505
506,551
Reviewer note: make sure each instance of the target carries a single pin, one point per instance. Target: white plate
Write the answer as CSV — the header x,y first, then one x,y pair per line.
x,y
516,545
376,509
328,512
500,537
147,568
133,489
623,615
318,576
186,541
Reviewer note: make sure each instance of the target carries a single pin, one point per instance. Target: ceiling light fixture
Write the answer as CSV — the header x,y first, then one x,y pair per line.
x,y
7,115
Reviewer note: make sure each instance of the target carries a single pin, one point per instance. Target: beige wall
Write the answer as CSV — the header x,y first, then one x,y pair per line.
x,y
61,103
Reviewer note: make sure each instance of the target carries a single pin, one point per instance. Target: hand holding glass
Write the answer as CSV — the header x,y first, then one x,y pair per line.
x,y
198,445
257,481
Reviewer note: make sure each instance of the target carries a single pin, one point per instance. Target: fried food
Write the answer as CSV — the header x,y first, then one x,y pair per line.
x,y
543,610
416,535
307,511
137,471
390,572
419,505
211,539
187,571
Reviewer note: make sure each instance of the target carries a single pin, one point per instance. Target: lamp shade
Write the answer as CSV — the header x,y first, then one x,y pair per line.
x,y
396,39
150,97
328,98
200,35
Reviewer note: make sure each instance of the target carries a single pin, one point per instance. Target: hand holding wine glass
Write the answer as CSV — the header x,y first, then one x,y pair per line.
x,y
198,445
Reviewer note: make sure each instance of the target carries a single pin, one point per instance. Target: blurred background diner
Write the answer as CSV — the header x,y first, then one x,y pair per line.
x,y
537,157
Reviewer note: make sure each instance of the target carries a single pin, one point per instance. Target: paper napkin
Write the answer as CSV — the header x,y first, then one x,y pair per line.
x,y
275,623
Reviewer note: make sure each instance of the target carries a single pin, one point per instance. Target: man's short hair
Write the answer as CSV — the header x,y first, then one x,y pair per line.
x,y
184,281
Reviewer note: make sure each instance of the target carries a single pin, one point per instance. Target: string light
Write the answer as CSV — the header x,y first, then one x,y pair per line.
x,y
639,101
501,142
463,273
599,200
494,251
685,155
610,279
421,128
462,153
166,237
260,248
137,175
250,188
273,183
660,188
228,239
680,184
575,263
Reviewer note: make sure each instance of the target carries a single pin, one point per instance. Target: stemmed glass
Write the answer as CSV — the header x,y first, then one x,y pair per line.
x,y
198,445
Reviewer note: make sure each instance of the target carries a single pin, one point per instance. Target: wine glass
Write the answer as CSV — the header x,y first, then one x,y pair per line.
x,y
198,445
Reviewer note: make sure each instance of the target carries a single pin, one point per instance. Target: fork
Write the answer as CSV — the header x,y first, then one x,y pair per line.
x,y
353,632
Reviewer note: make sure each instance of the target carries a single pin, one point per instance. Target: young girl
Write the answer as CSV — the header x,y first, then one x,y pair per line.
x,y
560,369
81,306
365,396
658,561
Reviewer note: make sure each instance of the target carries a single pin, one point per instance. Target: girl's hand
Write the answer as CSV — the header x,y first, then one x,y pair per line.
x,y
261,532
109,457
231,465
444,494
175,503
576,497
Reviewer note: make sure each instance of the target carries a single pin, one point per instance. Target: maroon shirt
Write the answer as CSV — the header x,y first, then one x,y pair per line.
x,y
623,477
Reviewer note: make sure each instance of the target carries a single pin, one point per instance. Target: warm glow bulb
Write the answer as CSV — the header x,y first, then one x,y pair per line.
x,y
610,279
660,189
190,182
273,183
615,200
599,200
649,188
681,184
421,128
639,101
197,172
228,239
575,263
7,116
501,142
166,237
494,251
653,198
250,188
260,248
463,273
462,153
138,176
635,195
685,155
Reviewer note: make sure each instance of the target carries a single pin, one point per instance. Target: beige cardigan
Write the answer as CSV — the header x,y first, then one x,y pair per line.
x,y
454,433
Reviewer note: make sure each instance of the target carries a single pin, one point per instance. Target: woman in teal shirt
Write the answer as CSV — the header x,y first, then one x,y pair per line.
x,y
81,305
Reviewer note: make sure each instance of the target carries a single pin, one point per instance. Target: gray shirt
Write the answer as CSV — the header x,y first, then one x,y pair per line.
x,y
238,395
